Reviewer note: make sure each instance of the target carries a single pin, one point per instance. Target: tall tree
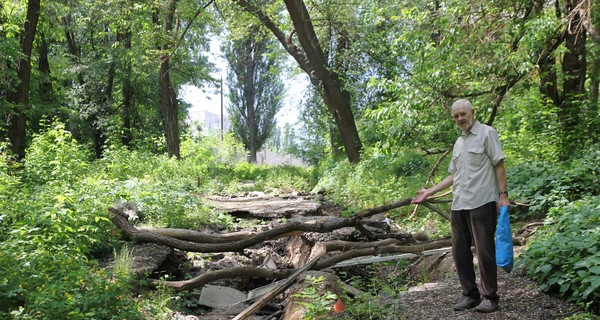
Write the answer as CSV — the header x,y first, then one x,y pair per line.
x,y
174,19
255,88
312,59
18,96
164,18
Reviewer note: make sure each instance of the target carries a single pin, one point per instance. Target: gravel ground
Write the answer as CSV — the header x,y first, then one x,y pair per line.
x,y
519,299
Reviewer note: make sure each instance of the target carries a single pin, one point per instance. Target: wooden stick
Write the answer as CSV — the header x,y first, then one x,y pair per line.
x,y
280,288
436,210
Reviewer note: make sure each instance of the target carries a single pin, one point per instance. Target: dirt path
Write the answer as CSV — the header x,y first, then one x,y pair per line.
x,y
519,299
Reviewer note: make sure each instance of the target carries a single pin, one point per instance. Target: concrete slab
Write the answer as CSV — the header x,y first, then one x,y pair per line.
x,y
220,297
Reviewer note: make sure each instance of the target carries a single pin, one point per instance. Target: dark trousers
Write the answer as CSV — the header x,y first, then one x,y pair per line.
x,y
476,226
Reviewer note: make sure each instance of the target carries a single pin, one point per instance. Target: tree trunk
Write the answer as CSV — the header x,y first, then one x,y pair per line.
x,y
335,97
169,107
251,103
168,96
46,91
592,111
574,70
19,96
126,107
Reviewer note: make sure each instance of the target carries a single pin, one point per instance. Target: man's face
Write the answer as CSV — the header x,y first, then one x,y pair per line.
x,y
463,118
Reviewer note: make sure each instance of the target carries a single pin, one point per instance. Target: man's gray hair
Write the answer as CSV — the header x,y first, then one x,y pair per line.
x,y
464,103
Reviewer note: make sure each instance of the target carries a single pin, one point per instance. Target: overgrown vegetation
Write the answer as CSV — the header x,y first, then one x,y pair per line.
x,y
383,75
565,255
54,223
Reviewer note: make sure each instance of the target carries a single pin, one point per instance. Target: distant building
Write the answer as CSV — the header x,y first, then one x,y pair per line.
x,y
213,121
265,156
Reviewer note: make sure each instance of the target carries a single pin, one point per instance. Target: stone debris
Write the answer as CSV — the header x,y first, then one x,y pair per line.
x,y
220,297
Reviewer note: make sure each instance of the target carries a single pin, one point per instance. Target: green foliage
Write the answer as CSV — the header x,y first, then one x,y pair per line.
x,y
529,127
409,163
158,304
54,155
379,178
54,219
565,253
317,301
60,284
379,292
275,178
544,185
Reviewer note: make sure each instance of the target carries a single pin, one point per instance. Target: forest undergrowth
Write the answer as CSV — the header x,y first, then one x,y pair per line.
x,y
54,223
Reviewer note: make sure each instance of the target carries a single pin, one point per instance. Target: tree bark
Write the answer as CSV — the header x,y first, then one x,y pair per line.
x,y
127,104
19,96
46,91
574,69
169,108
168,96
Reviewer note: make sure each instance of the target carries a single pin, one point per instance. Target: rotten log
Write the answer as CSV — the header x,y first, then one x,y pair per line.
x,y
236,246
323,263
197,236
145,235
273,293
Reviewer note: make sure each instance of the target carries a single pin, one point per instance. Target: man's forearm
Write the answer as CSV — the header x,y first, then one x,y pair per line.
x,y
502,184
444,184
501,176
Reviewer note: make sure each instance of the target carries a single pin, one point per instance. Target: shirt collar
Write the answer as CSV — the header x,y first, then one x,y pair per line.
x,y
474,129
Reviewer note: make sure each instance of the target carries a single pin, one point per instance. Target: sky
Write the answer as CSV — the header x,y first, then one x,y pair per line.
x,y
209,99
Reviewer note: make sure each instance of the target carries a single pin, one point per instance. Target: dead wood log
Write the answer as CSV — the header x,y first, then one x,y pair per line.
x,y
339,245
323,263
166,238
436,210
384,208
197,236
376,250
235,246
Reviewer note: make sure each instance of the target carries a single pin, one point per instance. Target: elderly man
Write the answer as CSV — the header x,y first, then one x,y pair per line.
x,y
479,188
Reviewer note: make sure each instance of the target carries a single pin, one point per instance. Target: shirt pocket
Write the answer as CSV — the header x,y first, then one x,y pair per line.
x,y
477,156
455,162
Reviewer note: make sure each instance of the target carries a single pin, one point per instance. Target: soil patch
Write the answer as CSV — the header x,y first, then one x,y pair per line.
x,y
519,299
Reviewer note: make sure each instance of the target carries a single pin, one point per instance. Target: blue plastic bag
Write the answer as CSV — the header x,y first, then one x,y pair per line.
x,y
504,244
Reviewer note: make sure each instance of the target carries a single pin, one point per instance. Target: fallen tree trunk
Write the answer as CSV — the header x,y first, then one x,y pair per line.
x,y
323,263
292,228
337,251
236,246
197,236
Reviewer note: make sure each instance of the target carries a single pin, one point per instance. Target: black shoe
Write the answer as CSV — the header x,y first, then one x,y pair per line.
x,y
487,306
466,302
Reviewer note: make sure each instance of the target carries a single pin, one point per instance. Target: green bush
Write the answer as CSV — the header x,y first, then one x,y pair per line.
x,y
378,179
57,283
543,185
565,254
54,155
409,163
